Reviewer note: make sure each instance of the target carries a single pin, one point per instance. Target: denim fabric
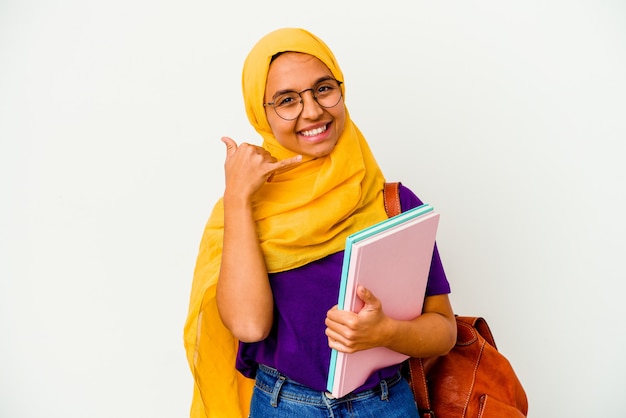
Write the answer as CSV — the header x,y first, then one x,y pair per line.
x,y
275,395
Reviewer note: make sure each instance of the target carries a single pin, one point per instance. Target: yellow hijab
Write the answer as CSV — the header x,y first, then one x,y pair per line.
x,y
302,215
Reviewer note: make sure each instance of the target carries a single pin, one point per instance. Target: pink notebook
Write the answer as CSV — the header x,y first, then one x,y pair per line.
x,y
392,259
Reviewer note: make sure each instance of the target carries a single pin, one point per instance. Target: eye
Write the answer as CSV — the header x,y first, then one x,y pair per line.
x,y
288,99
325,88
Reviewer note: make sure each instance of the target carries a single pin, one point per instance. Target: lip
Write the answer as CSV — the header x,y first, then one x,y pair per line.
x,y
316,138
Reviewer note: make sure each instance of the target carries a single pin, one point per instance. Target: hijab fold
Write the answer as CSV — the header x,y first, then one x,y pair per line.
x,y
303,214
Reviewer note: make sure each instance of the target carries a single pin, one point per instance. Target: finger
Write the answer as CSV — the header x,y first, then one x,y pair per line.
x,y
340,320
282,164
333,319
288,162
334,314
231,145
337,342
363,293
367,297
293,160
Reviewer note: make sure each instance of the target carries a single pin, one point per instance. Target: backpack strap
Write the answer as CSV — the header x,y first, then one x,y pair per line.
x,y
480,324
415,371
391,193
414,368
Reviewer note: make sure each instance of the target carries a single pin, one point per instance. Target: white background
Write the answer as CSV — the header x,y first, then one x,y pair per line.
x,y
508,117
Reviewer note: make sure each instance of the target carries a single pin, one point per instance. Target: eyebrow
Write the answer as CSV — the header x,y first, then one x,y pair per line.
x,y
319,80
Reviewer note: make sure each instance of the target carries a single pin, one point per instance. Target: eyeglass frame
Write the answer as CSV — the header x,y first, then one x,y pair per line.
x,y
311,89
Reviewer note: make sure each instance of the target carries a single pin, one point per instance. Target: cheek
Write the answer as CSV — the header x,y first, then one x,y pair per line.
x,y
340,122
274,122
280,127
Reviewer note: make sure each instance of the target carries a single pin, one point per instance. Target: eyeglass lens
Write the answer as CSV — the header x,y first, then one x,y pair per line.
x,y
289,105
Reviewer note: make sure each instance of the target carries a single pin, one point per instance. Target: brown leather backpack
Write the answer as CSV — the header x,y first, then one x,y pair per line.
x,y
474,379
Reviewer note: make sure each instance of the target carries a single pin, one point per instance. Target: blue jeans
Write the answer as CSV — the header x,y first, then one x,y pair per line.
x,y
275,395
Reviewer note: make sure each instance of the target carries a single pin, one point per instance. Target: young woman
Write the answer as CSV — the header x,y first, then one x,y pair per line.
x,y
267,277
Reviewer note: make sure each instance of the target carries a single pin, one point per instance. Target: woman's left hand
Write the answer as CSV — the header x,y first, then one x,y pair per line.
x,y
349,332
433,333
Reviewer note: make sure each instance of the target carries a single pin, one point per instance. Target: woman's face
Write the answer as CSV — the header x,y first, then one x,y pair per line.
x,y
316,130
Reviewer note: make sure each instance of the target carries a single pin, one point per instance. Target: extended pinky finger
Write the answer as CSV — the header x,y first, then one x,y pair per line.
x,y
289,161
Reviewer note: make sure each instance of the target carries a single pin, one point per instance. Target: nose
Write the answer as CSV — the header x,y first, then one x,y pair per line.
x,y
310,108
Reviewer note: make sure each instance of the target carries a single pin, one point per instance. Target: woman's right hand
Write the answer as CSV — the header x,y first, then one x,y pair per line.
x,y
248,167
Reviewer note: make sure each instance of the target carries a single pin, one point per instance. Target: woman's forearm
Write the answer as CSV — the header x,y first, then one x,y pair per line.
x,y
244,296
431,334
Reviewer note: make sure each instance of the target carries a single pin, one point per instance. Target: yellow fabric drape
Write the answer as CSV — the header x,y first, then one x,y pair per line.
x,y
302,214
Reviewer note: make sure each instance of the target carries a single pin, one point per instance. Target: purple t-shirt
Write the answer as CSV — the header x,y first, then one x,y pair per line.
x,y
297,345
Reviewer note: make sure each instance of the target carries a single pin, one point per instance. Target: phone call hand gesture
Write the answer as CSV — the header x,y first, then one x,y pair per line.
x,y
248,167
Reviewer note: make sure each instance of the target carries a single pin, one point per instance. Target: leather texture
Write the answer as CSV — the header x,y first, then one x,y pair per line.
x,y
474,380
392,199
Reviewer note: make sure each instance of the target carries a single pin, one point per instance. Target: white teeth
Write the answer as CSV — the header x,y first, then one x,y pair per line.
x,y
314,132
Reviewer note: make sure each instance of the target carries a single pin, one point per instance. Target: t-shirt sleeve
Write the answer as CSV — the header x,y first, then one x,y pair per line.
x,y
437,281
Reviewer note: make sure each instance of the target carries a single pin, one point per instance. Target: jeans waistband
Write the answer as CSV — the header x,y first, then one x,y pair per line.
x,y
282,385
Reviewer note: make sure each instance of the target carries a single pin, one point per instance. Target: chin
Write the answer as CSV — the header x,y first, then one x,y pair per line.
x,y
321,151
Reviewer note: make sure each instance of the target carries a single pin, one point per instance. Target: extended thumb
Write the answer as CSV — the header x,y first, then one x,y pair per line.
x,y
365,295
231,145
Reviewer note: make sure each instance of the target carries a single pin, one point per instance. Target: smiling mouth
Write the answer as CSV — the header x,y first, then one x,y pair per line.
x,y
314,132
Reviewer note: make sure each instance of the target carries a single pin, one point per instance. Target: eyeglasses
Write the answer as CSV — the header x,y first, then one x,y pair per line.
x,y
289,104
